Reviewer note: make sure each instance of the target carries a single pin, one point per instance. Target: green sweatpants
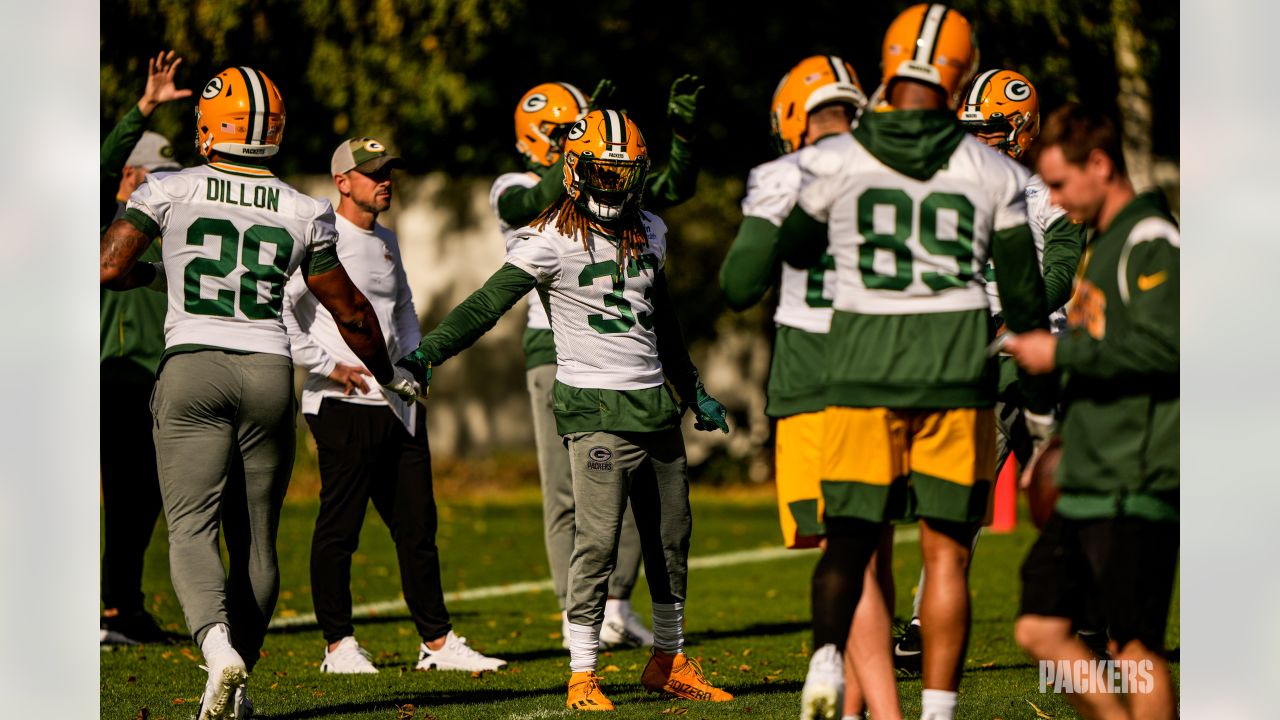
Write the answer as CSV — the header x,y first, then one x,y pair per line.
x,y
649,469
224,450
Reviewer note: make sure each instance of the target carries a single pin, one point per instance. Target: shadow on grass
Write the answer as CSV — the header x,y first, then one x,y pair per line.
x,y
397,618
753,630
421,700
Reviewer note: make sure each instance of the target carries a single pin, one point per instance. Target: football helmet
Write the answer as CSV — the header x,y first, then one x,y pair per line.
x,y
240,113
605,163
543,117
1002,101
931,43
815,80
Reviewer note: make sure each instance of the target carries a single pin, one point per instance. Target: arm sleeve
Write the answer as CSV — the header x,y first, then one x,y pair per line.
x,y
1063,244
677,182
751,264
476,315
802,239
299,314
672,351
1151,345
518,205
115,151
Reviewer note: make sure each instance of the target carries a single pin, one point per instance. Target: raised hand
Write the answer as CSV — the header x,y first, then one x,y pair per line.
x,y
160,86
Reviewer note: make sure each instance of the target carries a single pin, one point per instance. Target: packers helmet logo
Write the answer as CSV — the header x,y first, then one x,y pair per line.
x,y
578,130
1017,91
374,146
534,102
166,151
212,89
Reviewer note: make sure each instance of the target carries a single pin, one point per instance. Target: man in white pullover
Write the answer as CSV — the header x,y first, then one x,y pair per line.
x,y
372,445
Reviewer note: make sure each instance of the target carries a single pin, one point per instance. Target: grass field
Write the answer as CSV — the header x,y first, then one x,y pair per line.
x,y
747,621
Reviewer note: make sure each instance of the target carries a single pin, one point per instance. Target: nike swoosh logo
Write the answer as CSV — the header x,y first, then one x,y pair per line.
x,y
1146,282
905,653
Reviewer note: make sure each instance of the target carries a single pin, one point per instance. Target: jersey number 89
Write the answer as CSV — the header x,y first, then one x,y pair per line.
x,y
961,248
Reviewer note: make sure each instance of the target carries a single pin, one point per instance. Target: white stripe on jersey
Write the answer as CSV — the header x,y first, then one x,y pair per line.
x,y
929,33
260,105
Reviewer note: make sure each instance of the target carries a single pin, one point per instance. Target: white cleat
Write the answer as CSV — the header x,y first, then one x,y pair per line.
x,y
227,674
823,695
622,627
347,659
243,705
455,655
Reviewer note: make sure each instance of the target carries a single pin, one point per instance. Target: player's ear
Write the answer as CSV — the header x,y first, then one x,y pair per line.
x,y
343,183
1099,165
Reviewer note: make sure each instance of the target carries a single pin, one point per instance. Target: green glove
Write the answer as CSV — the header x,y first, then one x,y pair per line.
x,y
417,363
708,413
601,95
682,108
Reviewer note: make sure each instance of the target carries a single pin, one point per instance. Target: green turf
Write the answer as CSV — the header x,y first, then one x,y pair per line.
x,y
747,622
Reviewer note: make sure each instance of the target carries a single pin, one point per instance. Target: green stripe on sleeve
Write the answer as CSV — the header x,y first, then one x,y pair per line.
x,y
142,222
322,261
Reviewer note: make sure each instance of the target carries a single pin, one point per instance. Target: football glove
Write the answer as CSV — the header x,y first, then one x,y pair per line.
x,y
682,107
708,413
404,385
1039,427
601,95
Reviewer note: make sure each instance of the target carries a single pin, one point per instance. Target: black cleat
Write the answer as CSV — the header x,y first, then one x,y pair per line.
x,y
908,650
137,628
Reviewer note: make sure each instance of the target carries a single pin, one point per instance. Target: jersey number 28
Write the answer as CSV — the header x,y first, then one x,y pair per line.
x,y
255,271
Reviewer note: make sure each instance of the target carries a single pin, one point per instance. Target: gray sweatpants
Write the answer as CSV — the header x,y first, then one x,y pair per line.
x,y
557,497
224,450
608,469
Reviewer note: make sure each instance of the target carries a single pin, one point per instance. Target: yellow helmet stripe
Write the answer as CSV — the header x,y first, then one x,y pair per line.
x,y
258,106
578,97
979,86
930,28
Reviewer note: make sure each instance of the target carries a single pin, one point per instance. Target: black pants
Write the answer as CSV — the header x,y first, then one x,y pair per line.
x,y
366,454
130,485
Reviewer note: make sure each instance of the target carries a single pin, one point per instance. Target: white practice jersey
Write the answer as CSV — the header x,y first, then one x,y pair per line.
x,y
601,312
537,313
372,260
804,296
231,237
1040,215
905,246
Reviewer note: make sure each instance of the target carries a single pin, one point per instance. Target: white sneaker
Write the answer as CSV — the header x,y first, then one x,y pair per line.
x,y
455,655
622,627
564,628
243,705
823,695
227,674
347,659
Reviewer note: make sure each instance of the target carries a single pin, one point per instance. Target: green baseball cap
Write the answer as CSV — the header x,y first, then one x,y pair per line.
x,y
365,154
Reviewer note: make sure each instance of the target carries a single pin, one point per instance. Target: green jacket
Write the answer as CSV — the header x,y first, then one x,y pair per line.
x,y
131,323
1120,360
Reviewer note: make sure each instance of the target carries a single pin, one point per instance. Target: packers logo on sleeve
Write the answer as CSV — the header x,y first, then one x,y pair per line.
x,y
1088,309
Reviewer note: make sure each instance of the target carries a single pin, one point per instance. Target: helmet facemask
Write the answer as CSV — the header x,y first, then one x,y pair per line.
x,y
605,189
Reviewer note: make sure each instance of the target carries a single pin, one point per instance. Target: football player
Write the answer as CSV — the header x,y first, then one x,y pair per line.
x,y
597,261
1113,537
542,118
223,403
1002,109
814,105
912,210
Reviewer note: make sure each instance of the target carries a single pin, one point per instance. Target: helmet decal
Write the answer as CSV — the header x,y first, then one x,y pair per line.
x,y
212,89
1017,90
534,102
577,130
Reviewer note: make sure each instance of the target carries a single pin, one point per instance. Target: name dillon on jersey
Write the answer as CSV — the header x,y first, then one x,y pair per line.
x,y
221,190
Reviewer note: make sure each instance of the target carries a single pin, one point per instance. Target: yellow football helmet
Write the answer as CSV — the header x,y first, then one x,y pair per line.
x,y
240,113
543,117
605,163
815,80
1006,102
931,43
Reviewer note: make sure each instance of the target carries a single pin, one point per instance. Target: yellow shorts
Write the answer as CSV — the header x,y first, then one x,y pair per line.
x,y
798,466
883,464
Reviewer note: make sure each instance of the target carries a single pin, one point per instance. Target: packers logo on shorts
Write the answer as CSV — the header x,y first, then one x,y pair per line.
x,y
599,458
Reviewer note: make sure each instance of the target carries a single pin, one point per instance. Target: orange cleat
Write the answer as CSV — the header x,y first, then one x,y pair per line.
x,y
681,676
585,693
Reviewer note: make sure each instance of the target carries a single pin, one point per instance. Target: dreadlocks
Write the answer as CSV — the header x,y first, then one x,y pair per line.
x,y
570,221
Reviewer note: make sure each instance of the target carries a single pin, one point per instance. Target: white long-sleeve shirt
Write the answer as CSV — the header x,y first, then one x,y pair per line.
x,y
372,259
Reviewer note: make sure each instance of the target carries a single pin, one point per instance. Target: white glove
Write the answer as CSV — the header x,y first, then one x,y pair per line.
x,y
405,386
1040,427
